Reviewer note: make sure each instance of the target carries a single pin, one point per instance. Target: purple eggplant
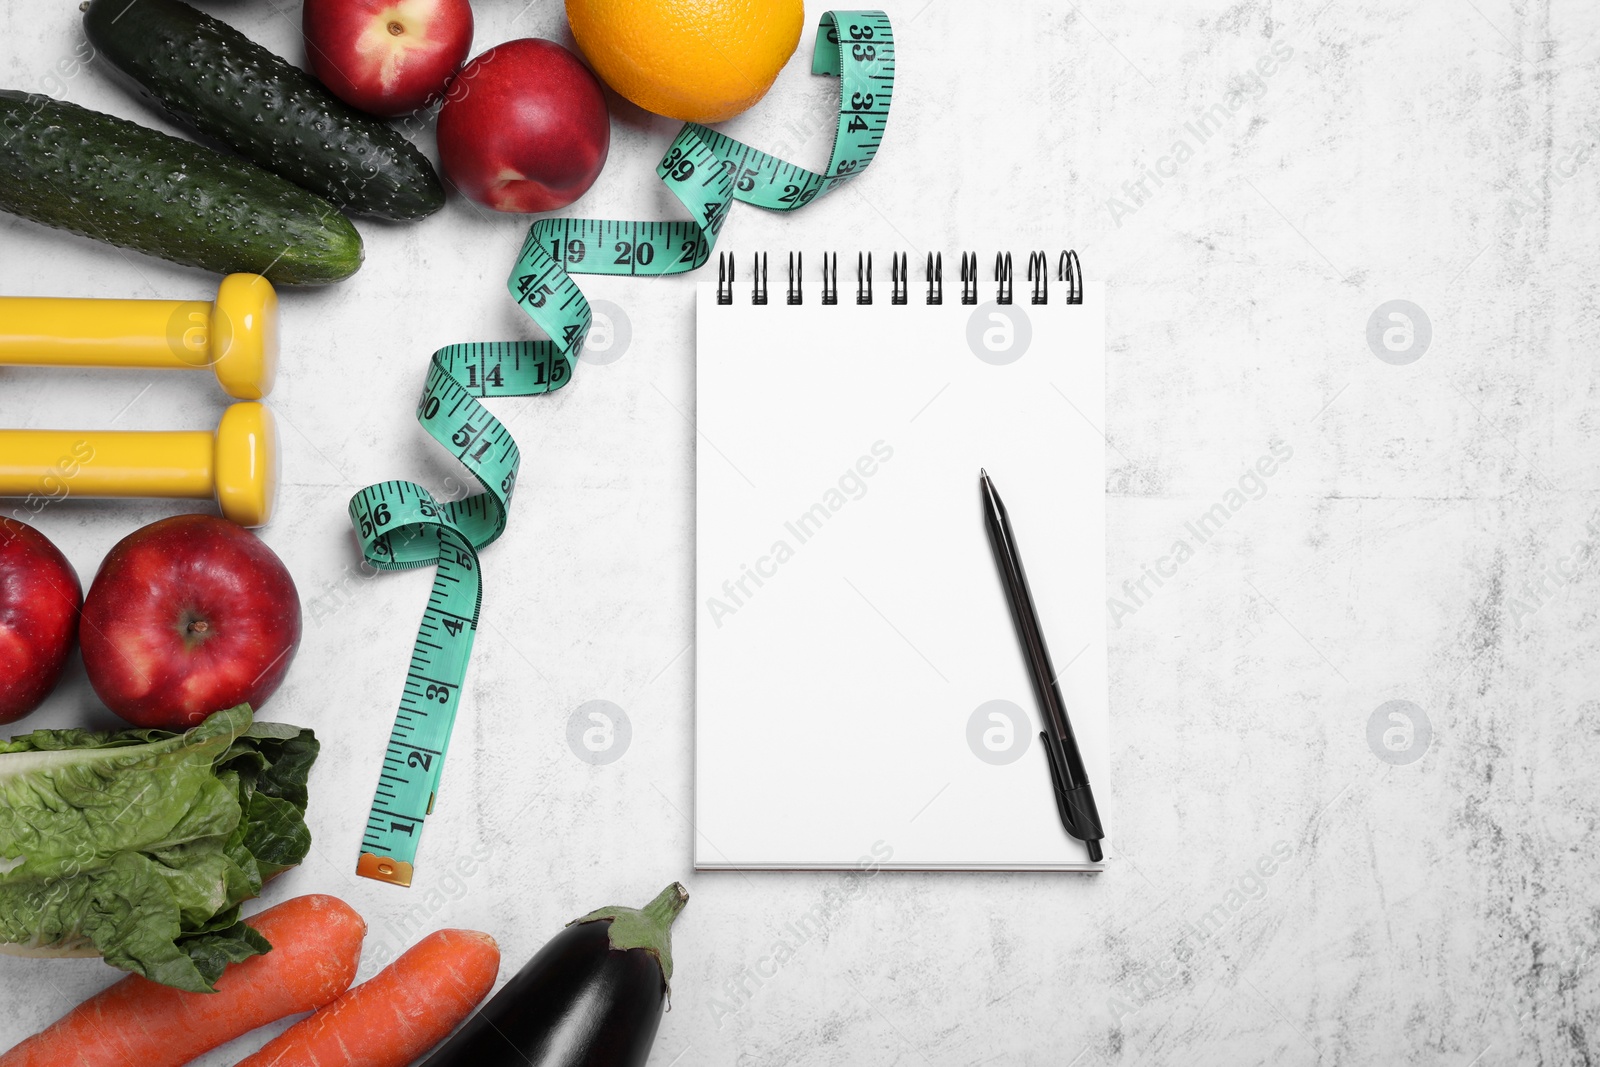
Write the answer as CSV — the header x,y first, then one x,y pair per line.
x,y
592,997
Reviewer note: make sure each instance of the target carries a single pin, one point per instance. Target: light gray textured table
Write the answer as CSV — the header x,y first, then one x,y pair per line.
x,y
1431,890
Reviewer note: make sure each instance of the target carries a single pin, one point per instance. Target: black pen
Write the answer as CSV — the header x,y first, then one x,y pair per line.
x,y
1068,780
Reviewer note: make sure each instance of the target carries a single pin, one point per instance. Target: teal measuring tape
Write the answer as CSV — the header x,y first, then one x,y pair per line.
x,y
706,170
399,523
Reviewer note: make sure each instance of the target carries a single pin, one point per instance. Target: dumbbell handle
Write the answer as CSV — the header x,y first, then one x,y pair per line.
x,y
59,331
236,335
108,463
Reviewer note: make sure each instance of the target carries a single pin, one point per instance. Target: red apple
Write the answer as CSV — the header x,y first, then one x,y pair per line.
x,y
389,57
188,616
524,127
39,600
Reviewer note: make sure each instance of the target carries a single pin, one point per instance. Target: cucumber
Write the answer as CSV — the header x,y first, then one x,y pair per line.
x,y
207,75
114,180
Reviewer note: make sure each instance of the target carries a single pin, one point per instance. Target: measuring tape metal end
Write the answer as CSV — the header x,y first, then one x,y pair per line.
x,y
384,869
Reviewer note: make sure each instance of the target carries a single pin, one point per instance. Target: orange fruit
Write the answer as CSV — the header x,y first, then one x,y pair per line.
x,y
696,60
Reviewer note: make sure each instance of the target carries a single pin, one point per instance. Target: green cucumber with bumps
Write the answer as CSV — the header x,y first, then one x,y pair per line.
x,y
116,181
204,74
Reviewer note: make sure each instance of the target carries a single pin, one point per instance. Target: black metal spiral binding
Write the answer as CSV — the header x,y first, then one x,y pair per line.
x,y
1068,270
1039,275
758,285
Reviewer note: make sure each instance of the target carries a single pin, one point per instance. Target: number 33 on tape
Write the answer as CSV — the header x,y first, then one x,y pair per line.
x,y
401,526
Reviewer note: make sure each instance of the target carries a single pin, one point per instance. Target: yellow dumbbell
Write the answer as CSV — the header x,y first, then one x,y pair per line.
x,y
236,335
238,464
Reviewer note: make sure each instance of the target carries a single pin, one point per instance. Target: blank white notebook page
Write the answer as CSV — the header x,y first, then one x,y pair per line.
x,y
861,696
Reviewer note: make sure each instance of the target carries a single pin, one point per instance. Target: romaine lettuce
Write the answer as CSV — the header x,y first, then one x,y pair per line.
x,y
139,845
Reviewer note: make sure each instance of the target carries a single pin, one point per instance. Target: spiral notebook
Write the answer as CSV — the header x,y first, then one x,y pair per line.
x,y
862,701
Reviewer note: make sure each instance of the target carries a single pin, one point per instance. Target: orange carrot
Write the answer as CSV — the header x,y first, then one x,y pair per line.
x,y
316,944
393,1019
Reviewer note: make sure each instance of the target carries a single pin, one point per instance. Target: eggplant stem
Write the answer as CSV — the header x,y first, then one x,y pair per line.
x,y
667,904
648,928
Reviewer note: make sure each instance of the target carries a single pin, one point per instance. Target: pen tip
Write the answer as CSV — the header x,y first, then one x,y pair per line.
x,y
1095,855
983,474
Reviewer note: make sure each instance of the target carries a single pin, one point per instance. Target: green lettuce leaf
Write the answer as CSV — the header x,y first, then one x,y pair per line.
x,y
139,845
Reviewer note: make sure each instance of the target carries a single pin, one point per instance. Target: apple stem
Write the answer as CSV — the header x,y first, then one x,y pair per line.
x,y
396,29
199,626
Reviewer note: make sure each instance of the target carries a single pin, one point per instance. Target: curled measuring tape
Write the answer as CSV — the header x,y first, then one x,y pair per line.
x,y
706,170
401,526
